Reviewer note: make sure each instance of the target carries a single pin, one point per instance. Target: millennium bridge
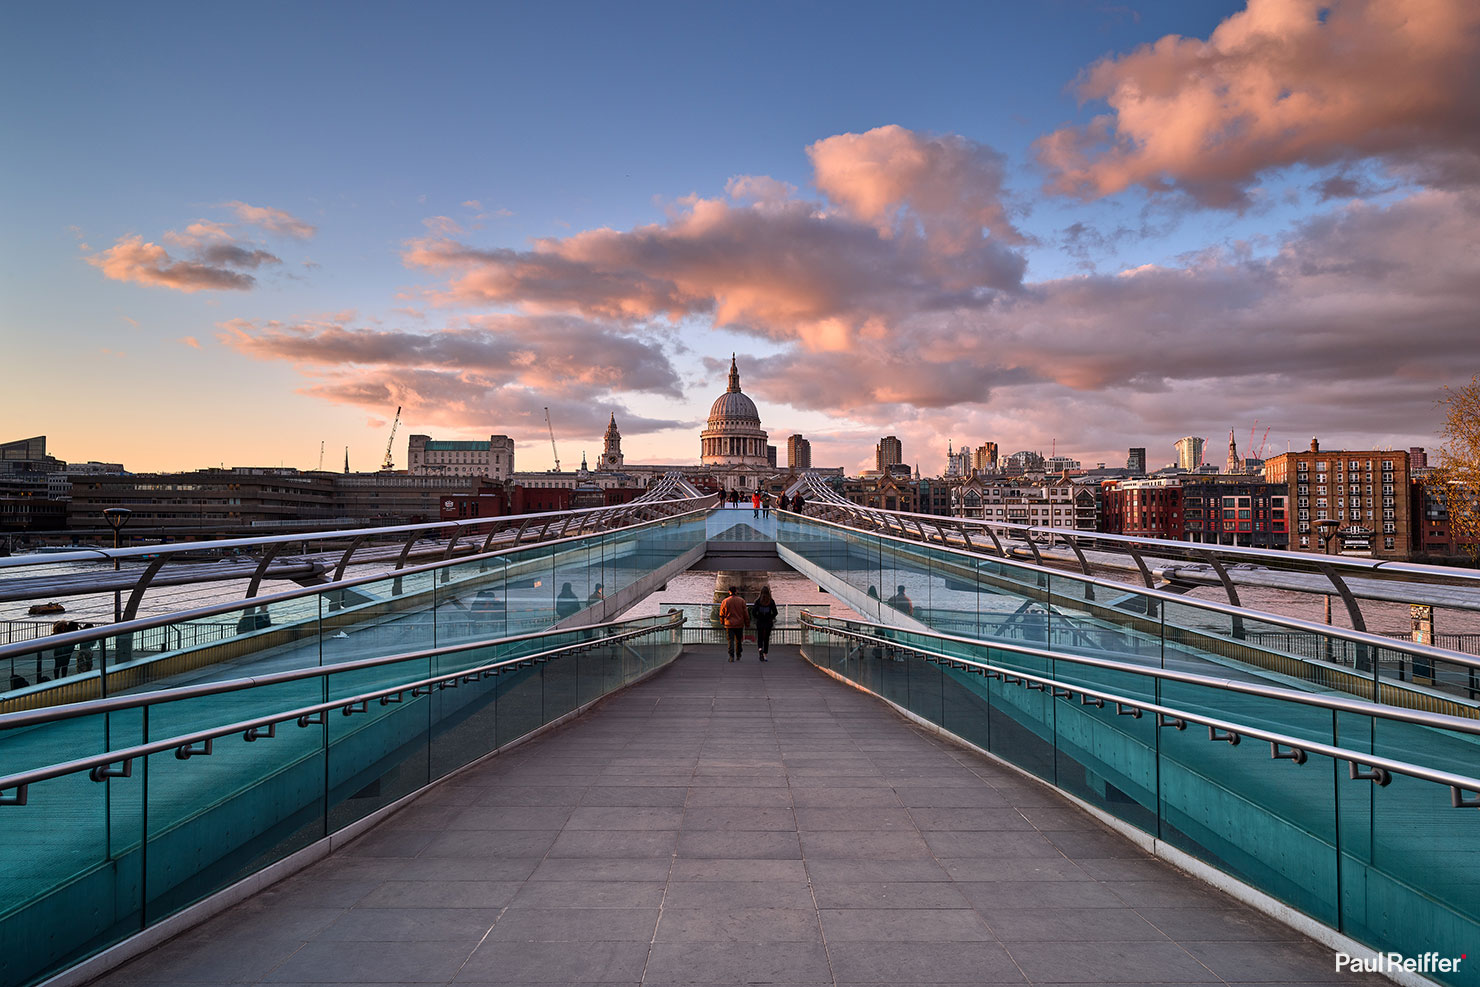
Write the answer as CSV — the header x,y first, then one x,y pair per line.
x,y
467,767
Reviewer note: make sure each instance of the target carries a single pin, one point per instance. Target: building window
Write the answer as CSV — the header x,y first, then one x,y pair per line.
x,y
1387,543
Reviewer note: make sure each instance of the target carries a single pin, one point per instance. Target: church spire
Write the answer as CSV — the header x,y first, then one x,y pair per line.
x,y
734,376
611,448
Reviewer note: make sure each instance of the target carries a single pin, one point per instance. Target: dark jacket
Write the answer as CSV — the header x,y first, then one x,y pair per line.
x,y
765,613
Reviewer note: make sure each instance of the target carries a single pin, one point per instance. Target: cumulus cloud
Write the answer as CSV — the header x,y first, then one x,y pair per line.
x,y
132,259
917,226
198,234
215,258
1356,302
235,255
272,220
502,368
1283,82
895,178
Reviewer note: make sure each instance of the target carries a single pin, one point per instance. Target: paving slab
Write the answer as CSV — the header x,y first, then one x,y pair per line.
x,y
738,823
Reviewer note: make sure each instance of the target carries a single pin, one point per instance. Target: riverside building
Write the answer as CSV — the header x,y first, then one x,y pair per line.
x,y
1365,490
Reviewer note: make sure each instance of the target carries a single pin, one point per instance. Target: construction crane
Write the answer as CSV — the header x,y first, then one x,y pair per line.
x,y
552,440
321,455
1258,451
389,464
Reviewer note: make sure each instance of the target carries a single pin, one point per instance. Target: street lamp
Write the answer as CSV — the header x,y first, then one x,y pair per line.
x,y
117,517
1327,531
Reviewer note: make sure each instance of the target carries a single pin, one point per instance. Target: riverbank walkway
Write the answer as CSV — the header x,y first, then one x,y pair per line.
x,y
738,824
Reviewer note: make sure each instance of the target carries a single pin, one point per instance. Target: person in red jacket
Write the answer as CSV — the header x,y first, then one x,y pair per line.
x,y
735,615
755,504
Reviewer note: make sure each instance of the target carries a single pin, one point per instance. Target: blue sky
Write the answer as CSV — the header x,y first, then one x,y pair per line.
x,y
474,129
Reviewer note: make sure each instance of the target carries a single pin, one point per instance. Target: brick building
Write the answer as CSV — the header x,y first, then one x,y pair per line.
x,y
1052,503
1433,538
1367,490
1145,508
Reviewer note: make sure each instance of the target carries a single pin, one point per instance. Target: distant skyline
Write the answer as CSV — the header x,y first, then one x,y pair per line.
x,y
232,234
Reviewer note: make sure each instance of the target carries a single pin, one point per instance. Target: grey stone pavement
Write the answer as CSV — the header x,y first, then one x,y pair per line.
x,y
739,824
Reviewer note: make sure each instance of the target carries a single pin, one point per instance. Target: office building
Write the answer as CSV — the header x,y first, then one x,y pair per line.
x,y
493,460
798,453
1189,452
889,452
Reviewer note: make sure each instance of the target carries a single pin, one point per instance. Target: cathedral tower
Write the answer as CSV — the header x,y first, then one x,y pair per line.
x,y
611,452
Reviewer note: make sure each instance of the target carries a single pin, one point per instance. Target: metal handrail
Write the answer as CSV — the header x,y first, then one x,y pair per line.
x,y
1363,707
1294,623
185,745
47,714
160,620
1214,555
340,534
1179,547
1282,746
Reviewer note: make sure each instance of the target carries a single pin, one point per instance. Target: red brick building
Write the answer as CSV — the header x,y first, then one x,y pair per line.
x,y
1145,508
1367,490
1433,539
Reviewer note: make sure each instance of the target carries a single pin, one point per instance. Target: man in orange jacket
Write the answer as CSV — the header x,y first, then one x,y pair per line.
x,y
735,615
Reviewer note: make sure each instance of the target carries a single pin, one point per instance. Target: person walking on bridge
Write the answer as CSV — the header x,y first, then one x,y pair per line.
x,y
735,615
766,612
901,602
755,504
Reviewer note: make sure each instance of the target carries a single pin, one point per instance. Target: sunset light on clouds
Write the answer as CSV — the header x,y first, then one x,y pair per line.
x,y
1018,223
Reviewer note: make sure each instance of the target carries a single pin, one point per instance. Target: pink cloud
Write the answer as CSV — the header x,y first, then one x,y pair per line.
x,y
891,177
272,220
486,367
191,342
907,238
198,234
132,259
1283,82
1355,302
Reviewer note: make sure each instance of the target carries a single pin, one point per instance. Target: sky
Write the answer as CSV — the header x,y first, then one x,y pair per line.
x,y
242,235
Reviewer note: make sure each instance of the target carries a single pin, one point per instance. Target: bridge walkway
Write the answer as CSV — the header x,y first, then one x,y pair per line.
x,y
730,824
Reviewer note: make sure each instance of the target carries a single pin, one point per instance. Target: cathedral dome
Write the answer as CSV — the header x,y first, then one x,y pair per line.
x,y
730,406
734,435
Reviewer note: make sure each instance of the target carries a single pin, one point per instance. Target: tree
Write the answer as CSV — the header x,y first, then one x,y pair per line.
x,y
1458,474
